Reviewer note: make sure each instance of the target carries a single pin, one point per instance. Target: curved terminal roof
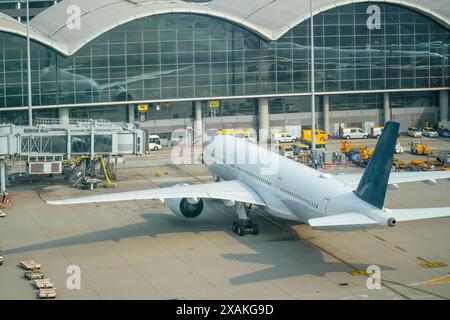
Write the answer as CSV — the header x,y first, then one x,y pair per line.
x,y
270,19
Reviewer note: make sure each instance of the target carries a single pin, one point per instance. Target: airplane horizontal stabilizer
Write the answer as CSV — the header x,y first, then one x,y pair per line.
x,y
341,220
420,213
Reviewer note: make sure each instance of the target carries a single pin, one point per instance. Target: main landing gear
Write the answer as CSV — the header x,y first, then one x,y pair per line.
x,y
244,225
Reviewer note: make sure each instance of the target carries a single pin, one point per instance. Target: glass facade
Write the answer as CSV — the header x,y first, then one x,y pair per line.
x,y
188,56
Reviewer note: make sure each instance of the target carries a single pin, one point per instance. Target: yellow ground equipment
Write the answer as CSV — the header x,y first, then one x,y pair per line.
x,y
396,162
82,169
345,147
418,147
364,151
429,165
320,135
319,143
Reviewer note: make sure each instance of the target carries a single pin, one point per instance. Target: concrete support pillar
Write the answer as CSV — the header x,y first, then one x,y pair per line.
x,y
131,118
443,106
198,123
326,113
387,107
263,120
3,176
64,116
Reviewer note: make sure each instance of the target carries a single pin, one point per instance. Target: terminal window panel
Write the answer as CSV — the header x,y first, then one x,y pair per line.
x,y
174,56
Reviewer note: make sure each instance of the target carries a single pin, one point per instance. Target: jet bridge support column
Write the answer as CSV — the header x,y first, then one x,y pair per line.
x,y
326,113
198,123
131,118
2,176
443,106
263,120
64,116
387,107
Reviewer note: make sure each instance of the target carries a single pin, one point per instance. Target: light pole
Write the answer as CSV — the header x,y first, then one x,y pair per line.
x,y
30,101
313,85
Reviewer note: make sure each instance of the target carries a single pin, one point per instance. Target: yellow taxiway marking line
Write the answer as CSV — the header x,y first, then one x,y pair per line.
x,y
438,280
359,273
380,238
433,281
423,260
433,265
401,249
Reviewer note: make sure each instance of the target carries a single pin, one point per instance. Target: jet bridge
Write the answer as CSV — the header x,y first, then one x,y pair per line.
x,y
46,145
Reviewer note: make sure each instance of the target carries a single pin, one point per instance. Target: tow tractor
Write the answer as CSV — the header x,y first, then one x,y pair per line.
x,y
418,147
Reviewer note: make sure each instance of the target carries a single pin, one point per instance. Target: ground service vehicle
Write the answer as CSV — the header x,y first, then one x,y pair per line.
x,y
375,132
429,132
286,151
247,134
398,148
414,132
354,133
320,135
154,143
283,137
419,148
443,132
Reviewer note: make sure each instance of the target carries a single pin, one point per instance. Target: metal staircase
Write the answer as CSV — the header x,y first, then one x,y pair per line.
x,y
77,173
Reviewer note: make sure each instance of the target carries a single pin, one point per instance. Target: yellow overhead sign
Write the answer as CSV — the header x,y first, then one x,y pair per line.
x,y
214,104
143,107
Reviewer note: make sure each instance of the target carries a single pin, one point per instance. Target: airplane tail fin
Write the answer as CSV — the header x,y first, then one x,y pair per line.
x,y
374,182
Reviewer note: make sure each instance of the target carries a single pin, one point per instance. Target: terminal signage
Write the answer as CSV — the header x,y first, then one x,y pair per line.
x,y
143,107
214,104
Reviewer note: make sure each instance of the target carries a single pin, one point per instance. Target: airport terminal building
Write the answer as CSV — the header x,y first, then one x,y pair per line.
x,y
230,63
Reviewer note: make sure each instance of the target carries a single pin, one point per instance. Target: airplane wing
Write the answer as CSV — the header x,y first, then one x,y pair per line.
x,y
397,177
227,190
341,220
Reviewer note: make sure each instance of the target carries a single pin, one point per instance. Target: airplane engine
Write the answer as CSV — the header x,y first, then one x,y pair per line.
x,y
187,208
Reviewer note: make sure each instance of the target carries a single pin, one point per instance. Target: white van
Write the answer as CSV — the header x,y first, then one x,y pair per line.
x,y
376,132
154,142
282,137
354,133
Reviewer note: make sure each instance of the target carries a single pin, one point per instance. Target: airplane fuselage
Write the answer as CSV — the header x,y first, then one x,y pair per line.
x,y
290,189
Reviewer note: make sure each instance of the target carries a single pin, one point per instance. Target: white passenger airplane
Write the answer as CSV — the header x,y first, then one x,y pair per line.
x,y
290,190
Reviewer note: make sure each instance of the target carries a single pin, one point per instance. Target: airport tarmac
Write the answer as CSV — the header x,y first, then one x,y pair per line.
x,y
140,250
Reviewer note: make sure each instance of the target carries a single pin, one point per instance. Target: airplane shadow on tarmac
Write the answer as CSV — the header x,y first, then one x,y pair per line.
x,y
284,253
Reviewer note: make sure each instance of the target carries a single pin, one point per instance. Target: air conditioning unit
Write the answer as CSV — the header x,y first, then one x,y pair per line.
x,y
45,167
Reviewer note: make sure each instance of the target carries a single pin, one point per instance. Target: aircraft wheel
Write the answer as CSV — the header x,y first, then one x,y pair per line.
x,y
235,227
255,229
240,230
